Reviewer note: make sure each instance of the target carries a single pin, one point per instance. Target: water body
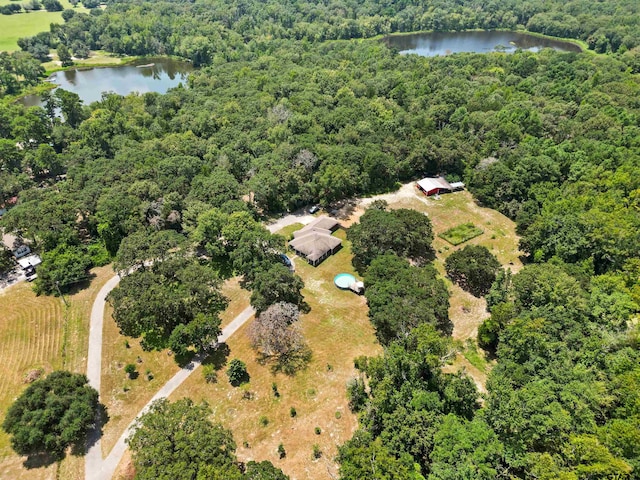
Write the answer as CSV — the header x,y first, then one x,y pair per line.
x,y
148,75
445,43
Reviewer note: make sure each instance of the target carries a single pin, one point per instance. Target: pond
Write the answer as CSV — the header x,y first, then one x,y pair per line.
x,y
148,75
445,43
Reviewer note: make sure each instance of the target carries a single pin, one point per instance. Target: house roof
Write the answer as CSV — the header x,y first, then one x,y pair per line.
x,y
323,222
428,184
315,244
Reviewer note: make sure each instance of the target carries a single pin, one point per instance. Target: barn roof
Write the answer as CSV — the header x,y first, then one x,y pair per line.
x,y
428,184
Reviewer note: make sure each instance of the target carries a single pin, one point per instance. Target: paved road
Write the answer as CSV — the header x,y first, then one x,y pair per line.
x,y
97,468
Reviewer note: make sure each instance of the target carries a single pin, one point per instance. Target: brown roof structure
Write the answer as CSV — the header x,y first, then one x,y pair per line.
x,y
315,241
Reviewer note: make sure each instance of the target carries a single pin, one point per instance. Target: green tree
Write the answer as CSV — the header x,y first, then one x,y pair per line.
x,y
407,233
465,449
277,284
237,372
365,457
64,54
52,414
177,441
474,268
264,471
61,268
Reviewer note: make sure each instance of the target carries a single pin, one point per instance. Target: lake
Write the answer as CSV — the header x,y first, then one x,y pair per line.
x,y
148,75
445,43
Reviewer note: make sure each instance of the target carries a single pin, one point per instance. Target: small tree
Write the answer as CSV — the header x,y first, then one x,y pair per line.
x,y
237,372
52,414
474,268
64,55
281,451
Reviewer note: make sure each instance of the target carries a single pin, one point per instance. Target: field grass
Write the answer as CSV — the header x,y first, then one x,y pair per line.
x,y
461,233
40,332
337,329
23,24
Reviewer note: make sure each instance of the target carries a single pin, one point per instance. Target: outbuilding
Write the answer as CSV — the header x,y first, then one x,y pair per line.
x,y
436,185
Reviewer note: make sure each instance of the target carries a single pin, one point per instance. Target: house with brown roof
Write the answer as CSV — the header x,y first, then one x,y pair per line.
x,y
315,241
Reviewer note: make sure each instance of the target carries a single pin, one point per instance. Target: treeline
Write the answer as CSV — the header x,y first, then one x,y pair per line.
x,y
211,31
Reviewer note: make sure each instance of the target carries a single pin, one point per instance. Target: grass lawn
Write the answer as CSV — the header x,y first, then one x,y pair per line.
x,y
40,332
338,330
462,233
23,24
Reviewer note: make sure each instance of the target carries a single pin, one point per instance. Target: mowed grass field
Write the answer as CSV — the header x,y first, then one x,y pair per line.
x,y
13,27
40,332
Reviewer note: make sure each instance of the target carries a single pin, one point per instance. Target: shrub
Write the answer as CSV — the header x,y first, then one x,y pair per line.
x,y
130,370
292,412
317,453
317,430
281,451
264,421
237,372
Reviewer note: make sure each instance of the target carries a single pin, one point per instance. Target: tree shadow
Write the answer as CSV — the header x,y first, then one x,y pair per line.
x,y
39,460
218,357
288,363
245,378
79,286
102,417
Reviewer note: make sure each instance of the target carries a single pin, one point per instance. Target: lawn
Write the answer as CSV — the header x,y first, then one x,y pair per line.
x,y
28,24
40,332
338,330
462,233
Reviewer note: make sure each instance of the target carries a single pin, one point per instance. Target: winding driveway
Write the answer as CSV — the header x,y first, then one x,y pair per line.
x,y
97,468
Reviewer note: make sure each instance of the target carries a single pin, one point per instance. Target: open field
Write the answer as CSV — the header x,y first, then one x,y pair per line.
x,y
40,332
23,24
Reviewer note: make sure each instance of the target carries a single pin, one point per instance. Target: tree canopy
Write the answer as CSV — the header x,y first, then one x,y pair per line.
x,y
52,414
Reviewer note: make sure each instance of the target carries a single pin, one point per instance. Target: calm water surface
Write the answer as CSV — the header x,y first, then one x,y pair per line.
x,y
445,43
149,75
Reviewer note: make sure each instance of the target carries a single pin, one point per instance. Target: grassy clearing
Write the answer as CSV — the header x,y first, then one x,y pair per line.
x,y
462,233
337,330
125,397
12,27
40,332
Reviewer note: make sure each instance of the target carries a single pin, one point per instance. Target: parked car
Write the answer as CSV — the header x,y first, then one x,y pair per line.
x,y
287,261
314,209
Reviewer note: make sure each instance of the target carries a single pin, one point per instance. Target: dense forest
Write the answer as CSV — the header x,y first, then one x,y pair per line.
x,y
288,110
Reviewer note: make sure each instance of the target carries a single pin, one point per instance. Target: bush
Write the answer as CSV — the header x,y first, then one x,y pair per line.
x,y
281,452
264,421
317,430
52,5
130,370
317,453
293,412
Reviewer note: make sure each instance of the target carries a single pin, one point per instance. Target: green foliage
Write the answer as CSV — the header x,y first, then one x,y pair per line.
x,y
237,373
52,414
461,233
474,268
130,370
407,233
274,285
264,470
173,303
465,449
401,297
365,457
168,443
62,268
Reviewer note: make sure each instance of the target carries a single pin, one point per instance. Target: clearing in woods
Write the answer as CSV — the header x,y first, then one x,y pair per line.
x,y
24,24
338,330
40,332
